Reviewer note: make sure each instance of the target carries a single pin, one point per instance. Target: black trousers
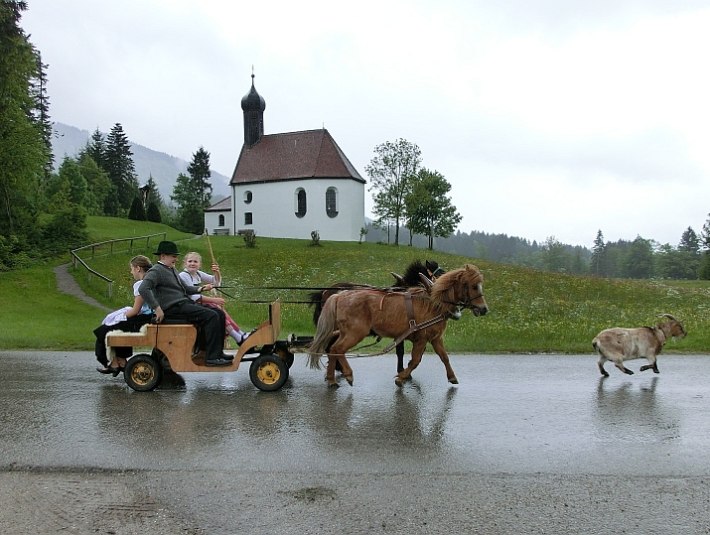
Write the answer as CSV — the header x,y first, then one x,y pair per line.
x,y
131,325
209,320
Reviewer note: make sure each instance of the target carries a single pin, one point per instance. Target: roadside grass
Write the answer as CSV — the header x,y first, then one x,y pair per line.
x,y
36,316
530,311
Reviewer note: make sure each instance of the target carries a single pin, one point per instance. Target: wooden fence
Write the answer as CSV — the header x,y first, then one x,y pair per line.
x,y
100,248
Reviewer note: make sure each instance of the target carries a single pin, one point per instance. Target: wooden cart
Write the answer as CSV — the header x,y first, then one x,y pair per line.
x,y
172,346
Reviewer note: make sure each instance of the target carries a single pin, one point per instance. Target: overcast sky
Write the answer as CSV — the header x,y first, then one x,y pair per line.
x,y
548,118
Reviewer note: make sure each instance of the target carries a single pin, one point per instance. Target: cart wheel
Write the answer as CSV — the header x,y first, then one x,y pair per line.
x,y
268,372
143,373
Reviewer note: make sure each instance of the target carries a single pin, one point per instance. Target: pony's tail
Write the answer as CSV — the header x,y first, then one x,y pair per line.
x,y
324,333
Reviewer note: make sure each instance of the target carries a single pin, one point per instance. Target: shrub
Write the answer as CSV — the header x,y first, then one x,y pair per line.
x,y
249,238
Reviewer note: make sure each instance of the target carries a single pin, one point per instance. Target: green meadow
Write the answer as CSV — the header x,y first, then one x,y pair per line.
x,y
530,311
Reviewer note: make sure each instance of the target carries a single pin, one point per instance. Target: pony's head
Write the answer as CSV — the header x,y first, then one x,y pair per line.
x,y
462,288
434,269
412,275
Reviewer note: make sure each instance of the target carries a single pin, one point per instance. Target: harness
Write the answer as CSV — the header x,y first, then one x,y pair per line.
x,y
411,320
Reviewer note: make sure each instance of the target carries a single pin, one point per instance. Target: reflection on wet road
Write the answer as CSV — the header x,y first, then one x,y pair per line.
x,y
522,414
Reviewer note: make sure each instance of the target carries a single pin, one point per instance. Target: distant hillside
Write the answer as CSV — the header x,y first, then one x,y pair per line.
x,y
69,140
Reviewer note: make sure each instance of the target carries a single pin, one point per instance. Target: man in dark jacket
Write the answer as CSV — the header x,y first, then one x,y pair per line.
x,y
167,295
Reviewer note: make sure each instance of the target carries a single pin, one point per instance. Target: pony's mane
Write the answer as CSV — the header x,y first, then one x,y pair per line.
x,y
416,268
444,288
411,274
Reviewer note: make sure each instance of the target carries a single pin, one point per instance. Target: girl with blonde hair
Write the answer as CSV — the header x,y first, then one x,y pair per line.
x,y
192,275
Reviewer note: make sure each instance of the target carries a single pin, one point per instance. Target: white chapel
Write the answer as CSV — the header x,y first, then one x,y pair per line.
x,y
288,185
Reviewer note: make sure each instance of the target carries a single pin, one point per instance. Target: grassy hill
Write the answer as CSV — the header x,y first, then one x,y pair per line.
x,y
530,311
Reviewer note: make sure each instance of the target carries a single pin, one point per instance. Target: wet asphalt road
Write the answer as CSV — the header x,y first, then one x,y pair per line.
x,y
525,444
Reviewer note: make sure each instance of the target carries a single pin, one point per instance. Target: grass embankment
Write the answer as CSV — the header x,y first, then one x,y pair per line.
x,y
530,311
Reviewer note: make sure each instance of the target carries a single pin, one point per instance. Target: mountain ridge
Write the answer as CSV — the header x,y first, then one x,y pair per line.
x,y
68,141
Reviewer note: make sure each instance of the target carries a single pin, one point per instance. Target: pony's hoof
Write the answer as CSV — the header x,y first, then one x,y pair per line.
x,y
399,382
349,379
333,384
454,381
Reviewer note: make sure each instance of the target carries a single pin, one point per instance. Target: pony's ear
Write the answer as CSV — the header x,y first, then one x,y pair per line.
x,y
398,279
426,281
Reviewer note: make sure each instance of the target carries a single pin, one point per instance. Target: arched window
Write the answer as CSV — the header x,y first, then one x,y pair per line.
x,y
300,202
221,220
331,202
247,197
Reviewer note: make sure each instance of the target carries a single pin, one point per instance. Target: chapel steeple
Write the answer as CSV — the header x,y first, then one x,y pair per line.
x,y
253,106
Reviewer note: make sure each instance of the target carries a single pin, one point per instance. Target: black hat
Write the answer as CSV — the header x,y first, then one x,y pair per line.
x,y
167,247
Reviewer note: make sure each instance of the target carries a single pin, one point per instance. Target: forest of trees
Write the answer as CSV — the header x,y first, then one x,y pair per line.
x,y
637,259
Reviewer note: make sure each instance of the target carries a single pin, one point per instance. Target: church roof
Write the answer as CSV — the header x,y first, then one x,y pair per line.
x,y
293,155
221,205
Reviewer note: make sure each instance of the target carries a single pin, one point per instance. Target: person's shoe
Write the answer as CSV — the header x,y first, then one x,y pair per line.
x,y
246,335
218,362
105,370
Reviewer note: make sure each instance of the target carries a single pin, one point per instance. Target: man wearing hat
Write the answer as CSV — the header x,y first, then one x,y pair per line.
x,y
166,293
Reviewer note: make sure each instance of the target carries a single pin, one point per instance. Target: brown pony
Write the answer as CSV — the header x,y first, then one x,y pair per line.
x,y
412,277
350,315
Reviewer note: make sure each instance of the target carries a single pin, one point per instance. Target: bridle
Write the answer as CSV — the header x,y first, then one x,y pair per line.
x,y
469,301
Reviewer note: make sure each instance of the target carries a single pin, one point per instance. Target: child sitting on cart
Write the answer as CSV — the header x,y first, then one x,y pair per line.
x,y
191,274
129,319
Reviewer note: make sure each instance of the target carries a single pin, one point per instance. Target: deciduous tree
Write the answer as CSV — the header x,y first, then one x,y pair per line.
x,y
190,215
638,263
429,209
391,171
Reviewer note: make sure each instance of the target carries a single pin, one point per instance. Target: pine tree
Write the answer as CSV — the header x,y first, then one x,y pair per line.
x,y
598,255
97,182
153,192
199,170
704,270
121,171
23,152
689,252
192,193
96,148
153,213
137,211
153,201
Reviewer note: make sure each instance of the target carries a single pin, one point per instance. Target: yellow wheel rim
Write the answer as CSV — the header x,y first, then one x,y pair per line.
x,y
143,373
268,373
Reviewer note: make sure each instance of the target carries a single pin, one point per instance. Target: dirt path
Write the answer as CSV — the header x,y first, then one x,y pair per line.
x,y
66,284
